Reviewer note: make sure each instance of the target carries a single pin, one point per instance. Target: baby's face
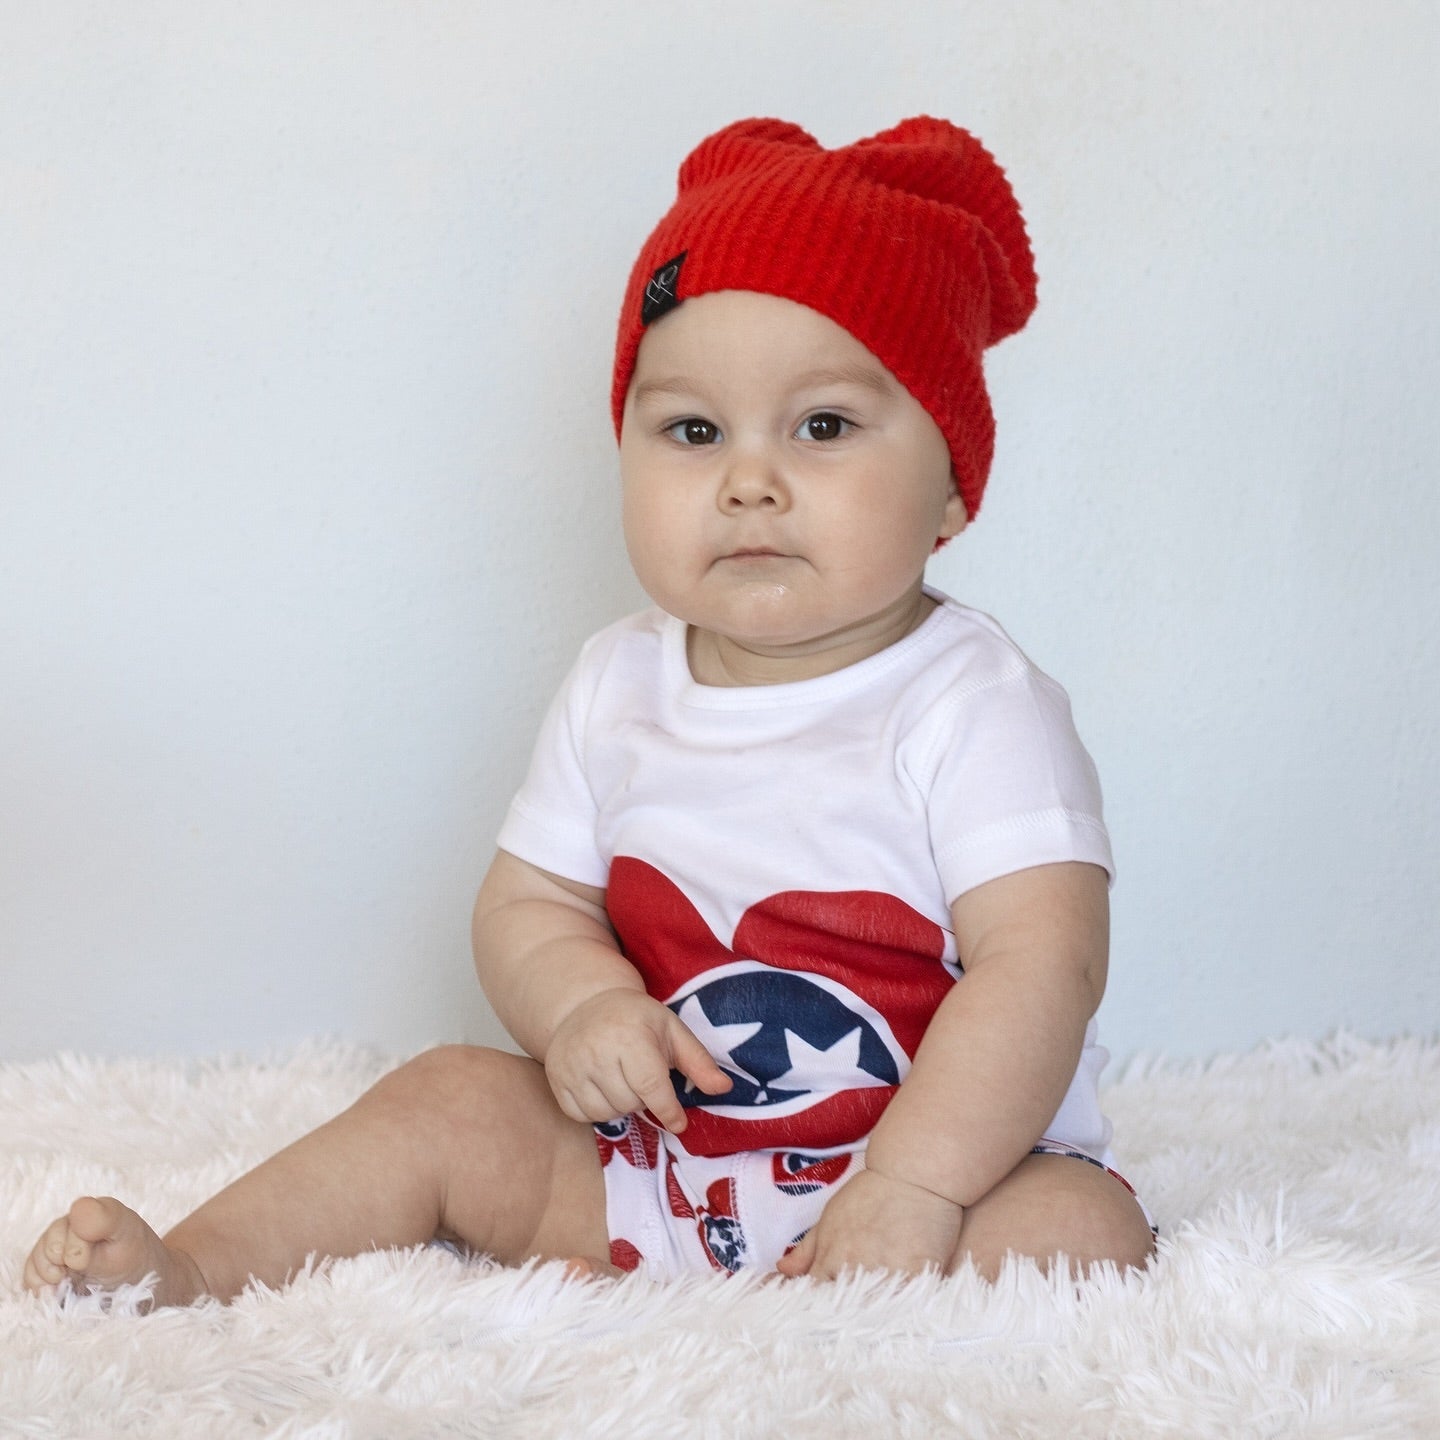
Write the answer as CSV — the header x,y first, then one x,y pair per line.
x,y
782,490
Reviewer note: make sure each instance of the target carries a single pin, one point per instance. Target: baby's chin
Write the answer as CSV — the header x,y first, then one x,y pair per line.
x,y
752,609
765,626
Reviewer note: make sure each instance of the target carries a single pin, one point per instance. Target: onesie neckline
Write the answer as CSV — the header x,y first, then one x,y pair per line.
x,y
818,690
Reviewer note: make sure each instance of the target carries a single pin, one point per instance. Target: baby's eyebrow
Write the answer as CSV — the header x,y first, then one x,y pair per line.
x,y
868,377
674,385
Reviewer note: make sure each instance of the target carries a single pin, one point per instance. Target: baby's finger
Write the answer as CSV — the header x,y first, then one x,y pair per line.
x,y
607,1097
590,1267
588,1103
569,1105
799,1258
656,1092
695,1062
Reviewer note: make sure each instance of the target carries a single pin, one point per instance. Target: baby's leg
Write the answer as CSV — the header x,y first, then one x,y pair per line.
x,y
461,1143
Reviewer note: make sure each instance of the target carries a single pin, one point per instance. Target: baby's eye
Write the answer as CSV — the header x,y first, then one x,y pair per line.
x,y
693,431
823,426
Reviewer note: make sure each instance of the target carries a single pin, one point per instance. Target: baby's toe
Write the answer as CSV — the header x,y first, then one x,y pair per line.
x,y
95,1218
76,1251
31,1277
45,1264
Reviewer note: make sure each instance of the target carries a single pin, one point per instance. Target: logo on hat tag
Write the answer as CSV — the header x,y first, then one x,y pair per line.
x,y
660,295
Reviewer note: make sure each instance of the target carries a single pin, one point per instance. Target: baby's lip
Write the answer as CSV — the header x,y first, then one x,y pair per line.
x,y
754,552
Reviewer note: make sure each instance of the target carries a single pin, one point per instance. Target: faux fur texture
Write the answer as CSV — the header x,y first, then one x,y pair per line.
x,y
1296,1292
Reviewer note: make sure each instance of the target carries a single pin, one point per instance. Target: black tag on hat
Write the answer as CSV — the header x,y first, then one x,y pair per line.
x,y
660,296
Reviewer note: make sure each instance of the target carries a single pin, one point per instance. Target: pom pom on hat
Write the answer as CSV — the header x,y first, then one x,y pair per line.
x,y
911,240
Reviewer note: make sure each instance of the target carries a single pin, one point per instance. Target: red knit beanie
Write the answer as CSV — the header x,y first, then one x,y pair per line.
x,y
912,241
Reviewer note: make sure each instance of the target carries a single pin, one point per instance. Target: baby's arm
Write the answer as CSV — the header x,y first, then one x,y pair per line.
x,y
989,1075
550,966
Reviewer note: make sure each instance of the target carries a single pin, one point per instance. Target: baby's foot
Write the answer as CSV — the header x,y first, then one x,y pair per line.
x,y
104,1244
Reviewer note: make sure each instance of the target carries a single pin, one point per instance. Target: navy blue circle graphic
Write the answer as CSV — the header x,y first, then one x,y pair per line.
x,y
762,1006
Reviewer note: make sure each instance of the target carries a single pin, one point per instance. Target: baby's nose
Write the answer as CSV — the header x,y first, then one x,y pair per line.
x,y
753,478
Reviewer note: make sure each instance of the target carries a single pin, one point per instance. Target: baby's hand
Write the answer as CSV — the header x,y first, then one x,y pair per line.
x,y
613,1054
876,1222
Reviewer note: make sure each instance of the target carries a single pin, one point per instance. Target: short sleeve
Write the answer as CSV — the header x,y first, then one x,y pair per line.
x,y
1011,784
551,820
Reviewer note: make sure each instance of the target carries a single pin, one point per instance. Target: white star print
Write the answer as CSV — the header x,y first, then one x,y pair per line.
x,y
837,1068
719,1040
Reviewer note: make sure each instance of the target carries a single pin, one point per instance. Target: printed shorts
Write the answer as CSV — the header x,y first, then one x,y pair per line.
x,y
670,1213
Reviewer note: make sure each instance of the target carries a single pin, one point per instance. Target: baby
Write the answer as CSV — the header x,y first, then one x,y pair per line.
x,y
802,910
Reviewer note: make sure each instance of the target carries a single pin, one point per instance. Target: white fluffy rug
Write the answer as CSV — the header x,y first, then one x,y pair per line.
x,y
1296,1292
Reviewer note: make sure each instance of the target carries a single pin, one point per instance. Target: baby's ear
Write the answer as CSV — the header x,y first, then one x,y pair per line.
x,y
956,518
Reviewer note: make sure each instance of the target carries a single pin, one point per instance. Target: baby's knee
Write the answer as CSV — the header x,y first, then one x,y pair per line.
x,y
445,1075
458,1086
1052,1206
1121,1235
1108,1226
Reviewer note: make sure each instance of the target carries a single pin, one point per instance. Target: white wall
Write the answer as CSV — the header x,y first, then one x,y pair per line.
x,y
306,482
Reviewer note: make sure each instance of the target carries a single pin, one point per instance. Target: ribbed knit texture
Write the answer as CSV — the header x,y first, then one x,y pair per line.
x,y
911,240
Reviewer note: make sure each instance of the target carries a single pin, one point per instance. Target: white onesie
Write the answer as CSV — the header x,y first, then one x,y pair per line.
x,y
779,863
